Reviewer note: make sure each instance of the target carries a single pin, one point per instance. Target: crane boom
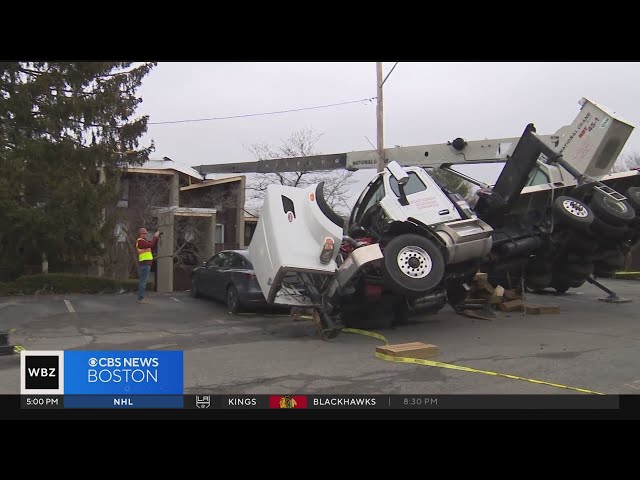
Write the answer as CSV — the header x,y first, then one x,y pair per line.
x,y
588,153
454,152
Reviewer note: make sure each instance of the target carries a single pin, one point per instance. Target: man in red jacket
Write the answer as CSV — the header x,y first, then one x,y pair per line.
x,y
145,260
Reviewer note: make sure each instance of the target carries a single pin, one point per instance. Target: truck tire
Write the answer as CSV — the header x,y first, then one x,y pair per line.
x,y
633,197
412,264
609,210
572,212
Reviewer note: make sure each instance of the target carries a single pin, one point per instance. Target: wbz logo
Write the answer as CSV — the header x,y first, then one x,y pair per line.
x,y
41,372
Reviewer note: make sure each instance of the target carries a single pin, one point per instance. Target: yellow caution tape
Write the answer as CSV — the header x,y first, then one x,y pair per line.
x,y
367,333
432,363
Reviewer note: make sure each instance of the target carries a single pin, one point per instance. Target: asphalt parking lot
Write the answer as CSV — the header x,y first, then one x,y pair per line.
x,y
590,344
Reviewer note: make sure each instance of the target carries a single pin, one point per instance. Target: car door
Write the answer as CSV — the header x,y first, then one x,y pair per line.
x,y
216,276
209,275
366,203
228,273
231,263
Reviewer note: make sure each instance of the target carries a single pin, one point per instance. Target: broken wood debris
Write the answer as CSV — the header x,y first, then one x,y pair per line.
x,y
483,296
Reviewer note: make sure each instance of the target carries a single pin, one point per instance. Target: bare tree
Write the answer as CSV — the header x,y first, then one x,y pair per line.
x,y
626,162
300,143
147,193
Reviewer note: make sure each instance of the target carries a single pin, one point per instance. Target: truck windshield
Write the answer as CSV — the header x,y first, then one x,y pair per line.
x,y
484,172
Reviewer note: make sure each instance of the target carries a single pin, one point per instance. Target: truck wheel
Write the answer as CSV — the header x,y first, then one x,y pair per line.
x,y
633,197
612,211
412,264
572,212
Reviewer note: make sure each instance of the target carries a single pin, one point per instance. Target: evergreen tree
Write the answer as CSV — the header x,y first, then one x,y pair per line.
x,y
61,124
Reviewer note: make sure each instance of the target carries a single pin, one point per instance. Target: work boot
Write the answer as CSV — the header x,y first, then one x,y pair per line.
x,y
144,300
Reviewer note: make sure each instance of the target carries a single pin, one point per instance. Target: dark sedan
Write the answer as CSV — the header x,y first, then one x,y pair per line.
x,y
229,276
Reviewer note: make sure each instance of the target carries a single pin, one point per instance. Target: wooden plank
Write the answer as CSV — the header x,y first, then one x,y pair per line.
x,y
477,300
498,296
512,295
411,350
542,309
512,306
481,277
484,286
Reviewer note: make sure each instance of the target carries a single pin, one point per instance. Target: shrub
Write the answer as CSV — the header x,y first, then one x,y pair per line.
x,y
67,283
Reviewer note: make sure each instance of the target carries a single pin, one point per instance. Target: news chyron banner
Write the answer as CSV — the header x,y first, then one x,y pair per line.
x,y
105,379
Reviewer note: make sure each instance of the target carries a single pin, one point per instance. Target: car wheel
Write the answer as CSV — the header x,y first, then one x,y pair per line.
x,y
412,264
233,300
572,212
194,289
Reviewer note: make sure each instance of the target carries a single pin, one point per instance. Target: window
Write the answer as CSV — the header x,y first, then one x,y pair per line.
x,y
537,177
287,205
232,261
414,185
249,229
483,172
217,260
373,196
219,233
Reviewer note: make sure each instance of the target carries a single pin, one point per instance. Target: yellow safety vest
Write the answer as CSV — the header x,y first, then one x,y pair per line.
x,y
144,254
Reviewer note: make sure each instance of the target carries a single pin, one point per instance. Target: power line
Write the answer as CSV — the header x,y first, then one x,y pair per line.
x,y
392,69
263,113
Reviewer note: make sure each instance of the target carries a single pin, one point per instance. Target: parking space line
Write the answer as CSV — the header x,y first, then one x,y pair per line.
x,y
69,306
175,299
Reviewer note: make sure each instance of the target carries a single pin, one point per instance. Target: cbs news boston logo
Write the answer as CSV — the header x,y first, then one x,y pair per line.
x,y
101,372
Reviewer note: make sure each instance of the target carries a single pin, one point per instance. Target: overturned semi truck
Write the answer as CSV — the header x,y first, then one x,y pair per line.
x,y
555,217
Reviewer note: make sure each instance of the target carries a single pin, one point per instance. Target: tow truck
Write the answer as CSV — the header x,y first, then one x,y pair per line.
x,y
555,217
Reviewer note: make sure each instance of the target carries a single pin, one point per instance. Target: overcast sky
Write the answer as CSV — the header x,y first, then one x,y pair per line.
x,y
423,103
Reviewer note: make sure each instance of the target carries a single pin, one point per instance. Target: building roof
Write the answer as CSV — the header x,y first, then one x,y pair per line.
x,y
160,164
208,182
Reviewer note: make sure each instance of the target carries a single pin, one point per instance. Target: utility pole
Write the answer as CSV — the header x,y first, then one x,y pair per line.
x,y
380,123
